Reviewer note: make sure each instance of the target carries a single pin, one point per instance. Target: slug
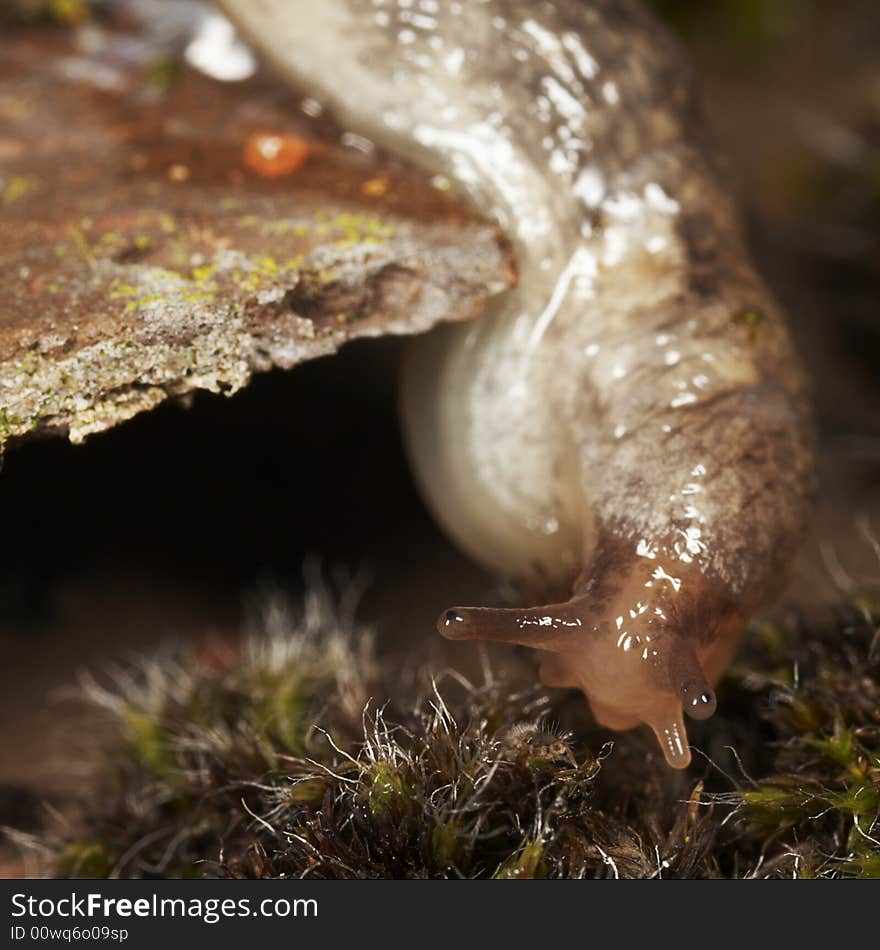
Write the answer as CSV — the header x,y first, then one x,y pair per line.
x,y
629,424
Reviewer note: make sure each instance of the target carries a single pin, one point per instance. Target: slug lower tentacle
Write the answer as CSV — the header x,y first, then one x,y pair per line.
x,y
631,418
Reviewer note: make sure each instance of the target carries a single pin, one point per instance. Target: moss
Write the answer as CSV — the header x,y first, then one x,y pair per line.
x,y
386,788
146,739
84,859
279,703
863,866
526,864
271,762
447,839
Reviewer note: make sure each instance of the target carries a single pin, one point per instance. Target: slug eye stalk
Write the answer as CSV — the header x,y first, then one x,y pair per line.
x,y
625,688
552,627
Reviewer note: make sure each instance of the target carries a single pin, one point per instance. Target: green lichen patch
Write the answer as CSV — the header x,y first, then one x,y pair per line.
x,y
17,187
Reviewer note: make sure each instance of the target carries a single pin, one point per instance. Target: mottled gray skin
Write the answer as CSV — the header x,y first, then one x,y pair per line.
x,y
631,418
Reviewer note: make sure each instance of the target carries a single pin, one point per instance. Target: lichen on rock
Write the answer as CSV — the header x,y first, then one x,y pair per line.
x,y
143,259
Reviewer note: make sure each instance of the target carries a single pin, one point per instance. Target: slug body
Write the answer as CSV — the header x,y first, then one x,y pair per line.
x,y
630,421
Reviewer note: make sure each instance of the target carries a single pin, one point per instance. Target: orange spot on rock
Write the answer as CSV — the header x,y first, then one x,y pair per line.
x,y
375,187
274,154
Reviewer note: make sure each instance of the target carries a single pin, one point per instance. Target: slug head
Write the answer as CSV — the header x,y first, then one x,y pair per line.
x,y
646,652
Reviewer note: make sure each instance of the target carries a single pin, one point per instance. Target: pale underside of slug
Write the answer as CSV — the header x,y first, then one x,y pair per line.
x,y
630,421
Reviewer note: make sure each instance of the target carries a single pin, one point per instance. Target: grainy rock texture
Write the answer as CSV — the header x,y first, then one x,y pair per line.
x,y
140,257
